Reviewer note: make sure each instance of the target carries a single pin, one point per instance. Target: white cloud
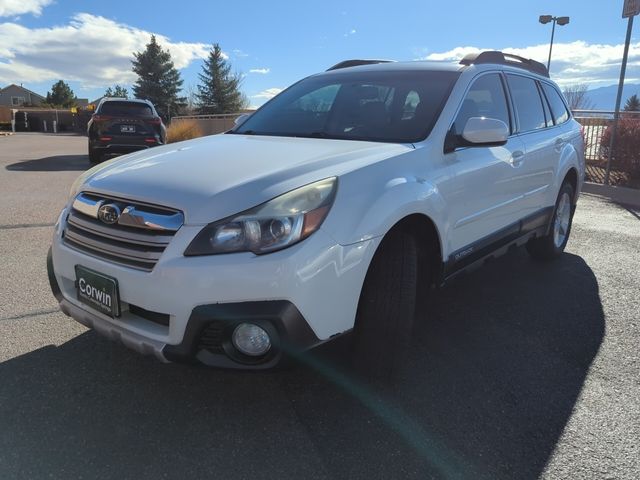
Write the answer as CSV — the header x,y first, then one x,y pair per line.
x,y
262,71
90,49
239,53
575,62
350,32
268,93
18,7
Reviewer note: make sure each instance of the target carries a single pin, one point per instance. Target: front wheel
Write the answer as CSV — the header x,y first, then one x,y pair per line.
x,y
387,307
553,244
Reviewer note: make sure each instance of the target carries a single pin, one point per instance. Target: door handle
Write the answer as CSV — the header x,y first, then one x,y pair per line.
x,y
517,158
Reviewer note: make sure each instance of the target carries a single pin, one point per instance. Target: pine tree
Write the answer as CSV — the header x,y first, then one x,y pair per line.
x,y
219,88
116,92
158,79
633,104
61,95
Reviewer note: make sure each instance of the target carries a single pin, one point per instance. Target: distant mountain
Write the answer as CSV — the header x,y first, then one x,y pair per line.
x,y
604,98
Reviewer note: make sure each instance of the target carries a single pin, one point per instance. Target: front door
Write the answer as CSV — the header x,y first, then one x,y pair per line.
x,y
484,194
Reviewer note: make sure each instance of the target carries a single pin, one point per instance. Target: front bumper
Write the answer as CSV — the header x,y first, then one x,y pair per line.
x,y
289,332
304,294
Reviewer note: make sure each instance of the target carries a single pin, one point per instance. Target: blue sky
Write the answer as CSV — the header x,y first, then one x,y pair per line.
x,y
88,43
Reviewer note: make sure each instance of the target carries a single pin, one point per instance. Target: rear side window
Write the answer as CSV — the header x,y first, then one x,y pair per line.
x,y
527,102
545,105
126,108
485,98
558,108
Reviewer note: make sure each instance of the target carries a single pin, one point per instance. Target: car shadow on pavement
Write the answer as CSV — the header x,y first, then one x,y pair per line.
x,y
498,362
56,163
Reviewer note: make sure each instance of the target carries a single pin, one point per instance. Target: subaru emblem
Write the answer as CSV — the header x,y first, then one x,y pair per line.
x,y
109,213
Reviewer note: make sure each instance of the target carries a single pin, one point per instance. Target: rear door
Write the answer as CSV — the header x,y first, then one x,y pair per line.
x,y
536,171
562,132
484,193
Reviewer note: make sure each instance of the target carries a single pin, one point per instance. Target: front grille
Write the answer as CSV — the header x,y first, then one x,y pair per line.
x,y
136,239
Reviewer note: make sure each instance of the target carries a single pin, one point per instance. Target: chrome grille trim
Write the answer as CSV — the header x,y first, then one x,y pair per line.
x,y
137,242
134,214
99,228
131,217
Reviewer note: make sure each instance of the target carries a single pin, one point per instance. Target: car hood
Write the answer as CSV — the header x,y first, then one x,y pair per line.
x,y
213,177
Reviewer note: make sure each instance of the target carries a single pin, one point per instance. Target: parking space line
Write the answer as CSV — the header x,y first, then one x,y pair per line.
x,y
26,225
30,314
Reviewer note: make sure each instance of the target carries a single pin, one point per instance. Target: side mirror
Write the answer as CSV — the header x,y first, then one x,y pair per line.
x,y
485,131
240,119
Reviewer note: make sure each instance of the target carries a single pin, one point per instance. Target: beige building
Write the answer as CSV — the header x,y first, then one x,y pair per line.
x,y
16,96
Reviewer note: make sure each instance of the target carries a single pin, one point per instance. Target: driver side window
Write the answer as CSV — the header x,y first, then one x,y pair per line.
x,y
486,98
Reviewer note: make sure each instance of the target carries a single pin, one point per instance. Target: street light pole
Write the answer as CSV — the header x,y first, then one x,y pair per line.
x,y
553,32
630,9
544,19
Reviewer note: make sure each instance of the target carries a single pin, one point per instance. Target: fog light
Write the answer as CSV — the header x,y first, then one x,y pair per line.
x,y
251,340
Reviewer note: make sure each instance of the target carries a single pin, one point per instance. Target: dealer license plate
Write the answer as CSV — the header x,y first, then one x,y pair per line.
x,y
98,291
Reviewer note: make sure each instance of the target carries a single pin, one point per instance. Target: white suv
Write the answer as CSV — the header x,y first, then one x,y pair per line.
x,y
318,214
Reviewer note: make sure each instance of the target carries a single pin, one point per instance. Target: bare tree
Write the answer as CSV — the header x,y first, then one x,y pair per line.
x,y
191,93
577,97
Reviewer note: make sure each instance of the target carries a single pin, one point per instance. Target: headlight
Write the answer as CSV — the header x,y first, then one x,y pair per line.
x,y
272,226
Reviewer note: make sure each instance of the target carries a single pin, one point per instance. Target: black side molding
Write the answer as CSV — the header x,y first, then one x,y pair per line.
x,y
519,232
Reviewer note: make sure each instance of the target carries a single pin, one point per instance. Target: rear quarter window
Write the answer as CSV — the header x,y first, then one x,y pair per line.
x,y
126,108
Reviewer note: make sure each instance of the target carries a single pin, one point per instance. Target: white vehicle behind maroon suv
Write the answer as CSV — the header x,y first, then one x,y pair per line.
x,y
317,214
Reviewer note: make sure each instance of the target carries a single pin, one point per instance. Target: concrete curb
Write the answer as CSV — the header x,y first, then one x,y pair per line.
x,y
621,195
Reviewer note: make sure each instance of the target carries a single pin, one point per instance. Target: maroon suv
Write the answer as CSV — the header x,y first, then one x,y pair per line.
x,y
122,126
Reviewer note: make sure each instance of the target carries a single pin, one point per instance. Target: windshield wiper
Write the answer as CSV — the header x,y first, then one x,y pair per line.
x,y
247,132
318,134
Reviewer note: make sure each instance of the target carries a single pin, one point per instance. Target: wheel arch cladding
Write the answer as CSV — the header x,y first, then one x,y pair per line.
x,y
572,177
568,163
424,230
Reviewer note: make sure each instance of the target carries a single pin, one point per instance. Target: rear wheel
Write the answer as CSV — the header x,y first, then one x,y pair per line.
x,y
553,244
94,156
387,307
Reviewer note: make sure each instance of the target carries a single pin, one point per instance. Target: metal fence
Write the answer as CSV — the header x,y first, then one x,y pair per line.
x,y
210,124
624,162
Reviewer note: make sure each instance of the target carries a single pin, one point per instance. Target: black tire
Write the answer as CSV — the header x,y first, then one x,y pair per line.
x,y
94,156
546,248
384,321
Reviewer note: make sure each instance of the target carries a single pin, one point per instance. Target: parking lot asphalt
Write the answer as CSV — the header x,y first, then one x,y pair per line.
x,y
518,370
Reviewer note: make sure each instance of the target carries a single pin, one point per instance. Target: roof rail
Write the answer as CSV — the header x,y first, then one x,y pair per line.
x,y
505,59
355,63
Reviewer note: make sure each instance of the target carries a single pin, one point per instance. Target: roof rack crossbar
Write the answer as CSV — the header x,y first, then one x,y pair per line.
x,y
355,62
509,59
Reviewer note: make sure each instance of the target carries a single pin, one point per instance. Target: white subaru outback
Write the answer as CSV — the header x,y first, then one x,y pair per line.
x,y
318,214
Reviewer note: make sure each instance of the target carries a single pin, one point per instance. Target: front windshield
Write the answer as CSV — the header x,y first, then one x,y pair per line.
x,y
387,106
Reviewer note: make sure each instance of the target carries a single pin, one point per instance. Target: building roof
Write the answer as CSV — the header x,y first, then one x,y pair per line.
x,y
22,88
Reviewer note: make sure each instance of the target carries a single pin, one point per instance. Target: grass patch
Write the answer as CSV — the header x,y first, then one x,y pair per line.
x,y
181,130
